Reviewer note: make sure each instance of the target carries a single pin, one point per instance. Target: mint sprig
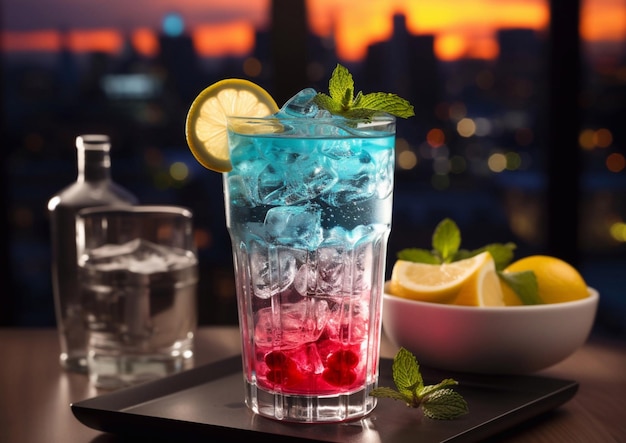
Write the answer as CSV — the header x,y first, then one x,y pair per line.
x,y
446,248
524,284
342,100
438,401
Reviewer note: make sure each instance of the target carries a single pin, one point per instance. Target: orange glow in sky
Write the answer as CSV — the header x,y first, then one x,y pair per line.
x,y
105,40
145,42
46,40
461,27
603,20
219,40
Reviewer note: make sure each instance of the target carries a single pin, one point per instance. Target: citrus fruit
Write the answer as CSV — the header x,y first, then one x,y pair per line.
x,y
439,283
509,296
205,128
557,280
482,288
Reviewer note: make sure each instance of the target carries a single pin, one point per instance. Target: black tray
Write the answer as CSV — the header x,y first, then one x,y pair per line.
x,y
208,402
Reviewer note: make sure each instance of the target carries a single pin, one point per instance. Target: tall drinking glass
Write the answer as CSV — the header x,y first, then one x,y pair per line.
x,y
308,209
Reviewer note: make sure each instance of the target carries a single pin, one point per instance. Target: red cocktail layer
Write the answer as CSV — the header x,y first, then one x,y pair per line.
x,y
322,367
312,357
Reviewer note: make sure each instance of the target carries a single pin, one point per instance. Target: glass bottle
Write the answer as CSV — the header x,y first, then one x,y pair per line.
x,y
93,187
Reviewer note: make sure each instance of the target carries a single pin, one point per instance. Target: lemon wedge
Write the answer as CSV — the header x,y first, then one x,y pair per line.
x,y
482,288
206,126
435,283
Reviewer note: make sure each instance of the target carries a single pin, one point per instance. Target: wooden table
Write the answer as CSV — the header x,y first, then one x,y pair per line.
x,y
35,393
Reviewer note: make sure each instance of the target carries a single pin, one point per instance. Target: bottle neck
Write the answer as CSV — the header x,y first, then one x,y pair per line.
x,y
93,165
94,161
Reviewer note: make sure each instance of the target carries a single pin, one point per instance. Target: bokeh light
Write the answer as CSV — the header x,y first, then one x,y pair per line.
x,y
466,127
585,139
252,67
497,162
483,126
513,160
173,25
457,111
616,162
407,160
618,232
435,137
179,171
589,138
603,138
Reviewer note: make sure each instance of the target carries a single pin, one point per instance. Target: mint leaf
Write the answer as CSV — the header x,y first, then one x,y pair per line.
x,y
427,390
417,255
342,100
446,243
406,373
385,392
385,102
326,102
444,404
524,284
446,240
437,401
341,85
502,253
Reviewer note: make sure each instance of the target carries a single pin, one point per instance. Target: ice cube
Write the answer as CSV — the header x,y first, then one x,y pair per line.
x,y
356,180
313,177
294,226
307,358
341,265
348,321
291,324
323,274
273,189
272,270
300,105
342,148
239,194
139,256
296,182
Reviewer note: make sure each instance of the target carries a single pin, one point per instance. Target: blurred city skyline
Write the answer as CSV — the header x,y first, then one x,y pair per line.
x,y
461,28
478,150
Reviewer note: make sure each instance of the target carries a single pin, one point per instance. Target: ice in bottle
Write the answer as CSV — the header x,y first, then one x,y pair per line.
x,y
93,187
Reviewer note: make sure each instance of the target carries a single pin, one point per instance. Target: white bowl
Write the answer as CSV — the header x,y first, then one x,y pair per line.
x,y
498,340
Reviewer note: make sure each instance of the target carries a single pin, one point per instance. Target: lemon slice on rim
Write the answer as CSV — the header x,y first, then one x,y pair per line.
x,y
205,128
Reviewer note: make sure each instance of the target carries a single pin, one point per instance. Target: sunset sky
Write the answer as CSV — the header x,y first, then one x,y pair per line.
x,y
219,27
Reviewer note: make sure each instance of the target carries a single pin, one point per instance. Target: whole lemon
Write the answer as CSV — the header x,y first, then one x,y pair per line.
x,y
557,280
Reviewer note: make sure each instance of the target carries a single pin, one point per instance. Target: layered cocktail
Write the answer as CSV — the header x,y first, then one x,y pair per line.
x,y
309,212
308,207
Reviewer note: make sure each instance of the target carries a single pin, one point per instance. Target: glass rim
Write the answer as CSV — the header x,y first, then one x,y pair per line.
x,y
378,117
135,209
278,126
